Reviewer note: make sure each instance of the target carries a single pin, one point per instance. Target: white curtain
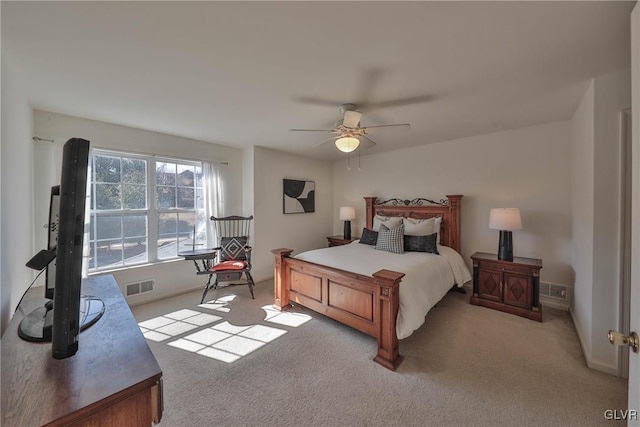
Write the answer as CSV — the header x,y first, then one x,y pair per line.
x,y
214,203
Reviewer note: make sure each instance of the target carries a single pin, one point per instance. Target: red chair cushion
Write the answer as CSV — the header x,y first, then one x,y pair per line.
x,y
229,265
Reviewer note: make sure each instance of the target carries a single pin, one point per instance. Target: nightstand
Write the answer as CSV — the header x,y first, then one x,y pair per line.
x,y
340,240
509,286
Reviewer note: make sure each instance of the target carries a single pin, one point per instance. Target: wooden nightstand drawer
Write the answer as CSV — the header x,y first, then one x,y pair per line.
x,y
509,286
514,268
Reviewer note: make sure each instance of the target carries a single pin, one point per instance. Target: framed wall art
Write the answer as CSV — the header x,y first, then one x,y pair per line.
x,y
298,196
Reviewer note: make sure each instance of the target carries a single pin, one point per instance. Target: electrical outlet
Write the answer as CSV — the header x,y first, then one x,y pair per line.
x,y
558,291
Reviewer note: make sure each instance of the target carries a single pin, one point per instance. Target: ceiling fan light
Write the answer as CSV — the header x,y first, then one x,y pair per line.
x,y
347,144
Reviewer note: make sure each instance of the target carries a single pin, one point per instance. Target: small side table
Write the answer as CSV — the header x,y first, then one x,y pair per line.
x,y
340,240
205,256
509,286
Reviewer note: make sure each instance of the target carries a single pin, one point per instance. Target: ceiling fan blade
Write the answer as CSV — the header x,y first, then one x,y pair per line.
x,y
333,138
369,140
407,125
367,82
351,119
310,130
317,101
400,102
376,128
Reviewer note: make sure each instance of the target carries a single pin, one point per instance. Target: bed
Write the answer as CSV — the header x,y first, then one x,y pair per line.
x,y
348,284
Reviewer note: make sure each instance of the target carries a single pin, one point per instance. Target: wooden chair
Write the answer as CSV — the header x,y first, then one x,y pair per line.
x,y
233,254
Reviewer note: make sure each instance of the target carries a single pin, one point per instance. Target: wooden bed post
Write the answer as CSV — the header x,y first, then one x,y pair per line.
x,y
280,291
369,204
454,226
388,346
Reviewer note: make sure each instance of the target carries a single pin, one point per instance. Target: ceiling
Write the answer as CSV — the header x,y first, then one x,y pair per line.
x,y
243,73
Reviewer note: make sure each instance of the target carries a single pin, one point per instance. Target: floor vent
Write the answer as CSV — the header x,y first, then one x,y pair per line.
x,y
139,287
544,288
553,290
555,295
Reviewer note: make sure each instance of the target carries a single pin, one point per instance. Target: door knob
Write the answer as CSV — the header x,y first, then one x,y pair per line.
x,y
616,338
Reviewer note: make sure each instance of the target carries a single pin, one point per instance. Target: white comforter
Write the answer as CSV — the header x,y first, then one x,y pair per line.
x,y
427,278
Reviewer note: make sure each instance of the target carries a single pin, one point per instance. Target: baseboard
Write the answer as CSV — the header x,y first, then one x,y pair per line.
x,y
158,297
554,303
607,369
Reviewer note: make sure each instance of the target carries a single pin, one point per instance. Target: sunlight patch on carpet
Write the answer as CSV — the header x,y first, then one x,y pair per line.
x,y
222,356
219,304
186,345
226,342
211,336
283,317
175,323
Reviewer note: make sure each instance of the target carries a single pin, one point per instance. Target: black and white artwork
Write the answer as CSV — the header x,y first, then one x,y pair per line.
x,y
298,196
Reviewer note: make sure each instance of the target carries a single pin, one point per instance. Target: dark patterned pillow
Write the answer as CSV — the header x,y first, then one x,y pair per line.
x,y
421,243
391,240
369,237
233,248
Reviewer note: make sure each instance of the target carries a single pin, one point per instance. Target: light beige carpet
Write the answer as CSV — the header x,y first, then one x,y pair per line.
x,y
466,365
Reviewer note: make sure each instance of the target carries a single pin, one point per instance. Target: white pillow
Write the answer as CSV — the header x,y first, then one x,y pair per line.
x,y
422,227
389,221
419,227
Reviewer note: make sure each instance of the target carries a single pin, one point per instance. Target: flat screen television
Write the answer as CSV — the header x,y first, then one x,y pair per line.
x,y
72,312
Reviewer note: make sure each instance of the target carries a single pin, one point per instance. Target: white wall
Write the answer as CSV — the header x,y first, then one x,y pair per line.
x,y
247,181
526,168
597,149
16,203
170,277
273,229
582,143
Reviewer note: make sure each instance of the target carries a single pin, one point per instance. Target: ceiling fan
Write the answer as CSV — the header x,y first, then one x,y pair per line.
x,y
347,132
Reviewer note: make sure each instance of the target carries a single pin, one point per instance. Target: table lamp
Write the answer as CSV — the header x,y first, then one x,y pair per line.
x,y
347,214
505,220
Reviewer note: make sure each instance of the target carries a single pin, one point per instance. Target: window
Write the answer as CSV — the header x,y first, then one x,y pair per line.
x,y
143,209
180,205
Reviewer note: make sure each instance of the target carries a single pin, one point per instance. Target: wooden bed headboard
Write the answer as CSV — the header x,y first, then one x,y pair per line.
x,y
449,209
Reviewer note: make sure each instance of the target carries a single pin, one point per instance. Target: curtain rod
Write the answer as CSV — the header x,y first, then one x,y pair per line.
x,y
38,139
154,155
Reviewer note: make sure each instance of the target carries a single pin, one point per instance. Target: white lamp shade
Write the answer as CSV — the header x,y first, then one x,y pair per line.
x,y
347,144
505,219
347,213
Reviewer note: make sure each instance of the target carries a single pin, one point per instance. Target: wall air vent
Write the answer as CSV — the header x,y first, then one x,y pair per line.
x,y
544,288
139,287
555,295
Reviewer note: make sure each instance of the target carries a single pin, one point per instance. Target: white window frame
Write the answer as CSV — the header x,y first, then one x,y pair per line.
x,y
152,211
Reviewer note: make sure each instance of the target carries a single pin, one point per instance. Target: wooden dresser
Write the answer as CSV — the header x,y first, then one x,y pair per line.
x,y
113,379
509,286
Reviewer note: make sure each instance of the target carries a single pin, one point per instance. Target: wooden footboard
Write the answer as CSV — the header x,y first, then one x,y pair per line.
x,y
367,303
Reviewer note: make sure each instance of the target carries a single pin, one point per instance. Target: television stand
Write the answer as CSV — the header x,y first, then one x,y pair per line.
x,y
36,327
113,379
